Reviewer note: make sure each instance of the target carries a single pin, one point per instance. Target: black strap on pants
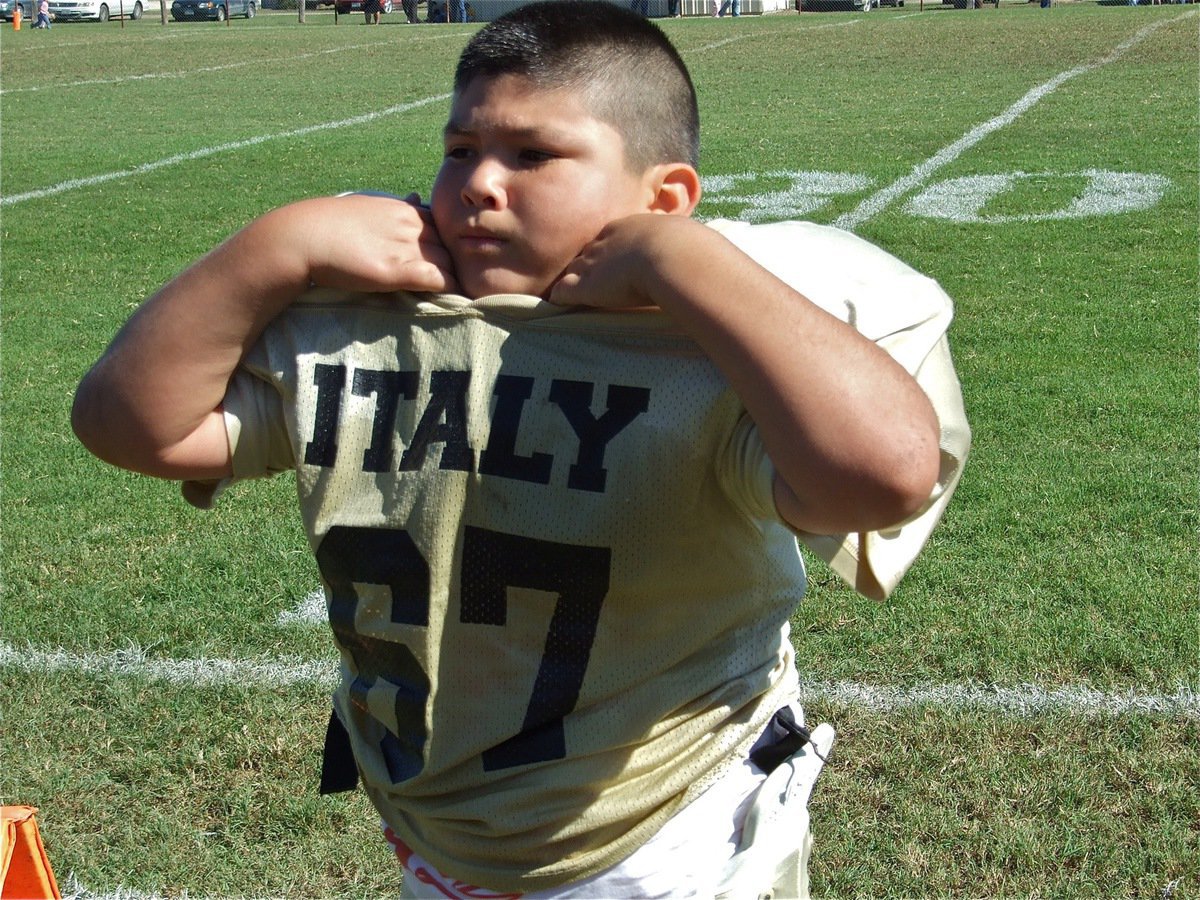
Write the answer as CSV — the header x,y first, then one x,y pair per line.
x,y
770,756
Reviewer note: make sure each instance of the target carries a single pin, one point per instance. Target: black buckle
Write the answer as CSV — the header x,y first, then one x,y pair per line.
x,y
770,756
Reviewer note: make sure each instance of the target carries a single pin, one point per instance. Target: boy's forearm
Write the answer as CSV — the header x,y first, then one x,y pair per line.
x,y
853,438
149,404
152,402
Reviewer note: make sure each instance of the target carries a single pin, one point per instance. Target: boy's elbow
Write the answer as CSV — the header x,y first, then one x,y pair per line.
x,y
91,425
882,491
101,425
910,489
910,480
84,417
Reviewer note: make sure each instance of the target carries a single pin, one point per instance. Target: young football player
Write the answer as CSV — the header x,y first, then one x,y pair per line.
x,y
554,441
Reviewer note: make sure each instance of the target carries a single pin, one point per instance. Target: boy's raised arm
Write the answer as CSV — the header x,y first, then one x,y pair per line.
x,y
152,402
853,438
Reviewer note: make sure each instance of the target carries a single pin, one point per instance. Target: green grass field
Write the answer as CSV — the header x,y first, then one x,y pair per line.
x,y
1020,720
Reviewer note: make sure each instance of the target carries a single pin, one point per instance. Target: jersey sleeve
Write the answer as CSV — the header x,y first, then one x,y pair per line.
x,y
254,420
905,313
747,473
255,425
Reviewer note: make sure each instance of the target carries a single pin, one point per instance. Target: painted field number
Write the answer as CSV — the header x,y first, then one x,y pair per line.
x,y
780,195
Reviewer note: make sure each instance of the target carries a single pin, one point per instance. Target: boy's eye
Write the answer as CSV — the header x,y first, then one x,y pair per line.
x,y
458,152
531,155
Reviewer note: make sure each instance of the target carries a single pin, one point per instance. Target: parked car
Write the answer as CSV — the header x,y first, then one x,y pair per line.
x,y
7,7
99,10
189,10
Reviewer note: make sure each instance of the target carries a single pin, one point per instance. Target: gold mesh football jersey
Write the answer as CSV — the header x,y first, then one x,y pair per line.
x,y
553,568
907,314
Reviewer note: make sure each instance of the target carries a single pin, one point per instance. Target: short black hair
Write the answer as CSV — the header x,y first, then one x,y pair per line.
x,y
630,74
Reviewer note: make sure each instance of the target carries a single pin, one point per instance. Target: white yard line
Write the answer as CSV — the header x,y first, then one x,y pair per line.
x,y
42,48
724,42
151,76
879,201
172,32
199,672
203,152
1015,700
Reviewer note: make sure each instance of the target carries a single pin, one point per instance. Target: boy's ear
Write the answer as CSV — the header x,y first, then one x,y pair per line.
x,y
676,189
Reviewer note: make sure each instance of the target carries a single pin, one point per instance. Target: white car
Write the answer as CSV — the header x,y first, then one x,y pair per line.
x,y
101,10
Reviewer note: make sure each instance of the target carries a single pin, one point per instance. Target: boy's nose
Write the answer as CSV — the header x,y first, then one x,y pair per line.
x,y
485,187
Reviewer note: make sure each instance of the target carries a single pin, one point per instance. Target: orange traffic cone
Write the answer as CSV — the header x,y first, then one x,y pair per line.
x,y
17,17
25,872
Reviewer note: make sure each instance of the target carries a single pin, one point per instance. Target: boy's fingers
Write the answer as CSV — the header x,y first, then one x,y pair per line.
x,y
428,276
565,291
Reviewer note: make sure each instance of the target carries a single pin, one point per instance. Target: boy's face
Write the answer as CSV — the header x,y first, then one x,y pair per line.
x,y
529,178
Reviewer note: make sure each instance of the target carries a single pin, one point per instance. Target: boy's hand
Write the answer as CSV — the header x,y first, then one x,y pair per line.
x,y
853,438
617,269
370,243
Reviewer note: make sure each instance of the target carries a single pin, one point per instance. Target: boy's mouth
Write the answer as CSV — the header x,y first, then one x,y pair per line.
x,y
480,239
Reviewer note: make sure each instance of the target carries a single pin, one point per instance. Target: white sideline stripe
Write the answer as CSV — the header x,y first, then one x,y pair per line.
x,y
171,34
203,152
150,76
72,890
1017,700
704,48
876,203
200,672
309,611
42,48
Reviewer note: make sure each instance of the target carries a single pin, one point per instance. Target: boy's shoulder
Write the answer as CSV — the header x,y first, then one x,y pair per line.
x,y
844,274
